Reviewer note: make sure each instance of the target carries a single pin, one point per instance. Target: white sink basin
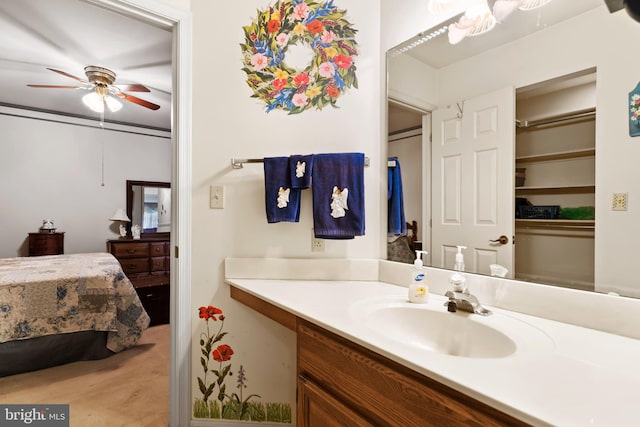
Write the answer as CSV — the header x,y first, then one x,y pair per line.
x,y
430,327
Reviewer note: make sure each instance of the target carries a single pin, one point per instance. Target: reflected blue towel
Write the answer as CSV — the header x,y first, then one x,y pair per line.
x,y
338,195
395,200
300,168
282,202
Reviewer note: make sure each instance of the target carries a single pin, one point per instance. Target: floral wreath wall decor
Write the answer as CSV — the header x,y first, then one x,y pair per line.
x,y
634,111
317,25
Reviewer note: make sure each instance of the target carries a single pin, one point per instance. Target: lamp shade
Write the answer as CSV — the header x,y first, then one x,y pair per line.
x,y
120,216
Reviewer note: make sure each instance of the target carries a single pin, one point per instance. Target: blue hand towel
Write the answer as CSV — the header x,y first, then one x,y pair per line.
x,y
395,200
301,168
282,202
338,195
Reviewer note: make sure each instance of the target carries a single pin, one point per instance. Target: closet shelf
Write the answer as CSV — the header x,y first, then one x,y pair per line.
x,y
557,189
560,155
564,223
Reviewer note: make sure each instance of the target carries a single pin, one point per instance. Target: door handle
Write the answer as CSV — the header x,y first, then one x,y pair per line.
x,y
503,240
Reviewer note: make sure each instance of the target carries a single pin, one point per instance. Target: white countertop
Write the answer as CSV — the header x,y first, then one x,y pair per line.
x,y
580,377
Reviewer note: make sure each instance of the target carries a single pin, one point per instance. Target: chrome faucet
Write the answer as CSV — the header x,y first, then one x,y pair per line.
x,y
466,302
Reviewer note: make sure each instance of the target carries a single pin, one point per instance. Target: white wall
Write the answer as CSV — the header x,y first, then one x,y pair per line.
x,y
53,170
412,82
228,123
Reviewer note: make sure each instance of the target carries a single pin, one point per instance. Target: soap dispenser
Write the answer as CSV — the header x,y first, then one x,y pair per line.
x,y
457,279
418,288
459,264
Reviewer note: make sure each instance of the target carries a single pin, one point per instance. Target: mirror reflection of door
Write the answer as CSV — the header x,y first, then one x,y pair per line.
x,y
164,210
472,181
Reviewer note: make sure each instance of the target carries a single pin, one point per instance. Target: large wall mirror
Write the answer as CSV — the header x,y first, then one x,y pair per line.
x,y
518,144
149,206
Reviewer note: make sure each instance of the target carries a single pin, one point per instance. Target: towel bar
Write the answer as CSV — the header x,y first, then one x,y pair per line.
x,y
239,163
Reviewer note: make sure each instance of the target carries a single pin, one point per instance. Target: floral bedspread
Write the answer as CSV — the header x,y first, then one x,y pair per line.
x,y
69,293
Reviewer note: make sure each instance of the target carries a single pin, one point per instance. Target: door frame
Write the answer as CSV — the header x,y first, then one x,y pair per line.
x,y
179,21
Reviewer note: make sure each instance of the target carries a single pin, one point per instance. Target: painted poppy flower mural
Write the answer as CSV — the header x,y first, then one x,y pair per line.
x,y
319,26
216,360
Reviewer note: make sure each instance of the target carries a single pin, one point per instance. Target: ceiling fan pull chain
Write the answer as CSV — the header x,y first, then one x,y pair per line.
x,y
102,139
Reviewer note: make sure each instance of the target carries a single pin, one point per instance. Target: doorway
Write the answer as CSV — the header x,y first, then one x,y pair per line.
x,y
408,140
180,342
555,173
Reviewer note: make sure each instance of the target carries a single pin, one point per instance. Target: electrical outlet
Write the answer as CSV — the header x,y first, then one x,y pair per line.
x,y
216,197
620,202
317,245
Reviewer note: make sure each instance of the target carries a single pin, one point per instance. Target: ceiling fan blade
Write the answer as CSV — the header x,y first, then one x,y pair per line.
x,y
138,101
133,88
67,75
56,87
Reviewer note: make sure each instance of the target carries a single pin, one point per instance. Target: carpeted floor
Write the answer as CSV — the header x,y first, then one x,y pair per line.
x,y
129,389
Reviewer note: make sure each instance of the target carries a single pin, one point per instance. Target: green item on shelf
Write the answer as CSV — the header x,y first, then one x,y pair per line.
x,y
582,212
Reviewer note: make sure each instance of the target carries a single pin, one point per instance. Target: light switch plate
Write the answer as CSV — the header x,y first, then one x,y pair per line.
x,y
620,202
216,195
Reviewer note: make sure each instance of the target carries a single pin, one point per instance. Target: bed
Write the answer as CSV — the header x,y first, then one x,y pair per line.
x,y
64,308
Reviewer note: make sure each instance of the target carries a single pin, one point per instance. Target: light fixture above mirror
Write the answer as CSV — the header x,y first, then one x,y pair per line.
x,y
478,17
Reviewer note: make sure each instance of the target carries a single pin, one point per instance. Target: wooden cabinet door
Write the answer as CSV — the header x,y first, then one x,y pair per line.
x,y
317,408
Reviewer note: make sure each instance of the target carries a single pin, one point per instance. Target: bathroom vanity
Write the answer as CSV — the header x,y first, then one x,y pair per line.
x,y
365,357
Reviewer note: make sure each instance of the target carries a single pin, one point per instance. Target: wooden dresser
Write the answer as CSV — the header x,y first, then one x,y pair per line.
x,y
146,263
45,243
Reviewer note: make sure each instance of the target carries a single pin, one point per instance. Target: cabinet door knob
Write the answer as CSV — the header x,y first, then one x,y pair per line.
x,y
503,240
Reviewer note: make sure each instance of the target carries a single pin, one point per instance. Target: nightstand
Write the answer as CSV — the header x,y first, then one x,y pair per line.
x,y
46,243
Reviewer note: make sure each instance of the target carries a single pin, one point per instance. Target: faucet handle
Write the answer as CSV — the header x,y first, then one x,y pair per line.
x,y
451,307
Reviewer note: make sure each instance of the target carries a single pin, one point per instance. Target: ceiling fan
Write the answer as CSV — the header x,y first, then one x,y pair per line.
x,y
103,92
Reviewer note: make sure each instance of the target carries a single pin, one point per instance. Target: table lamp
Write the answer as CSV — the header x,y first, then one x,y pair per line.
x,y
121,217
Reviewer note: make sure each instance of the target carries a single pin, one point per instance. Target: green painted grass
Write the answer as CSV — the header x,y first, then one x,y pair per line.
x,y
252,411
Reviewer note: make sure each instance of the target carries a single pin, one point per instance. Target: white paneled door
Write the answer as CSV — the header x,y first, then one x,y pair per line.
x,y
473,182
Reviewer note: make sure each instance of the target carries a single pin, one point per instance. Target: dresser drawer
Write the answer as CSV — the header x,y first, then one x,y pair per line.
x,y
44,243
130,250
158,249
135,265
158,263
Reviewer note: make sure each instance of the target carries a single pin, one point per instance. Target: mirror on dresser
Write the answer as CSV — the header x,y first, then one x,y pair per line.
x,y
536,55
147,261
149,206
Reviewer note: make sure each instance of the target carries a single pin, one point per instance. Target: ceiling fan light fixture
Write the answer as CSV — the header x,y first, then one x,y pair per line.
x,y
96,102
113,104
532,4
481,18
